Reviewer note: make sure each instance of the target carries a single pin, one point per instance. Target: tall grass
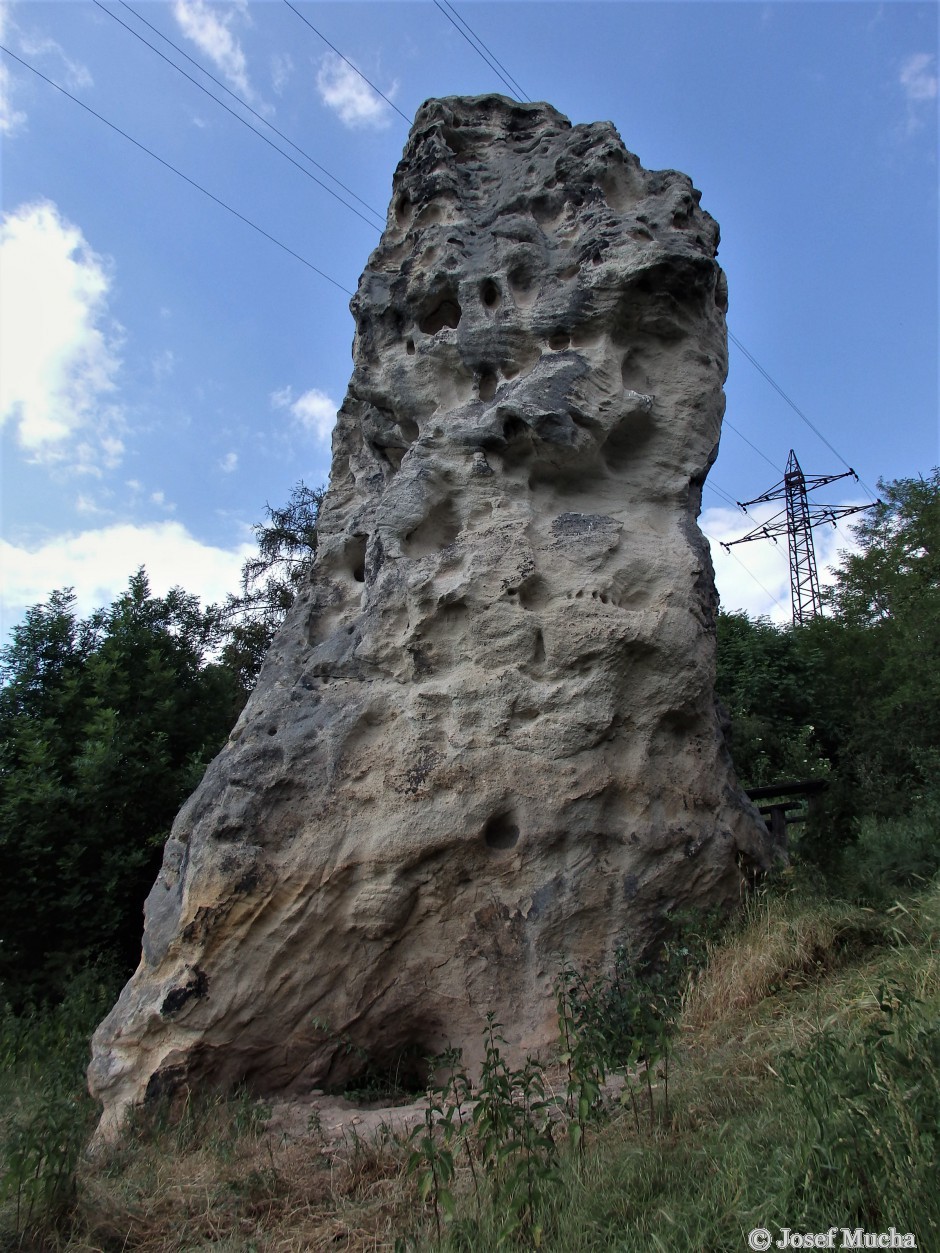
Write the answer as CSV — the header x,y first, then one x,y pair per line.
x,y
45,1111
803,1091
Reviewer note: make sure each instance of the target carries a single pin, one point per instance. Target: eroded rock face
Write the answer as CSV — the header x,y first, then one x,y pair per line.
x,y
485,738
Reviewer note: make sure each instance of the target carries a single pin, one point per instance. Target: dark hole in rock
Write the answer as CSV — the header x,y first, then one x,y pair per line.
x,y
488,383
439,529
357,557
633,376
390,454
721,292
410,348
559,341
446,313
404,211
533,593
627,440
538,653
456,143
402,1070
513,428
546,208
489,293
522,282
596,259
196,987
164,1083
501,832
272,730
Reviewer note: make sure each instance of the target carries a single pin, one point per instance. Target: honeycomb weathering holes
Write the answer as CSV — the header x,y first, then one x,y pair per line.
x,y
404,211
489,293
357,557
501,832
488,382
445,313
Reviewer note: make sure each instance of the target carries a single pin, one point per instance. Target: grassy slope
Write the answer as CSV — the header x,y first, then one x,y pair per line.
x,y
804,1092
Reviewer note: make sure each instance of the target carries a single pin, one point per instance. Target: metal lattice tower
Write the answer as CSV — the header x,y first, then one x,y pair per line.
x,y
804,579
796,521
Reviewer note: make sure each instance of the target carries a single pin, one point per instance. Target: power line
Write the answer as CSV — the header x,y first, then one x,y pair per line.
x,y
236,116
713,487
479,47
348,62
758,582
797,522
137,144
741,435
491,60
796,409
244,103
748,573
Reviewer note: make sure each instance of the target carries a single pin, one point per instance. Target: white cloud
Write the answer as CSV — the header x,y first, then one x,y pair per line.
x,y
88,505
918,82
98,563
210,30
163,364
10,118
282,66
314,410
342,90
77,75
755,577
229,462
58,350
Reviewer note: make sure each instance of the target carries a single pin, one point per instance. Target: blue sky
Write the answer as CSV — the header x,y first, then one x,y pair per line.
x,y
167,370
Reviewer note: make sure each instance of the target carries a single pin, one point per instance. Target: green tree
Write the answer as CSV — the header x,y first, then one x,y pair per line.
x,y
767,682
287,544
881,648
856,690
106,725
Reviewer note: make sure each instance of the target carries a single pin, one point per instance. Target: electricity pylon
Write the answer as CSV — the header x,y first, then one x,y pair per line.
x,y
796,522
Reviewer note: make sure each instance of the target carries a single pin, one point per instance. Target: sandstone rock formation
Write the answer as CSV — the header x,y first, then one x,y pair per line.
x,y
485,738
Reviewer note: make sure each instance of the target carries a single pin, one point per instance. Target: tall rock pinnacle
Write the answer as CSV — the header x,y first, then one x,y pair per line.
x,y
485,739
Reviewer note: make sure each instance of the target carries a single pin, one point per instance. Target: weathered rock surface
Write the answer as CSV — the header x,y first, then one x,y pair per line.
x,y
485,738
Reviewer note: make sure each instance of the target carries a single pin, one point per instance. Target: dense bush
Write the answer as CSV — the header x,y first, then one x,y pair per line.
x,y
106,725
853,696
